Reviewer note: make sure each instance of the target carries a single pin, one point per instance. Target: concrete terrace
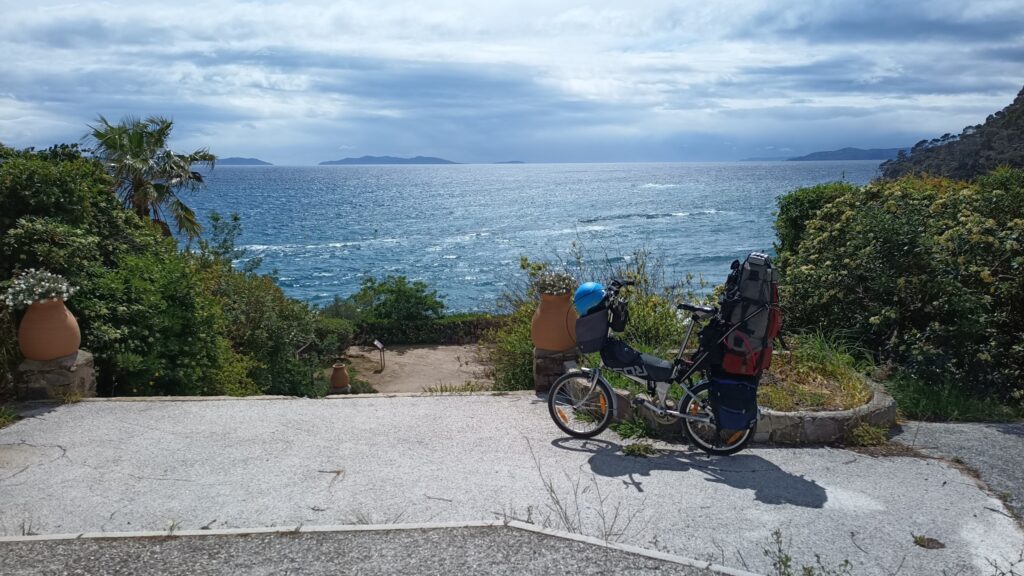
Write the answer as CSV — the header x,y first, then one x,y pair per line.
x,y
165,465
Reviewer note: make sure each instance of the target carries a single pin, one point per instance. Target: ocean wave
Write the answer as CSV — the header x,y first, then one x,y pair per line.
x,y
634,215
659,186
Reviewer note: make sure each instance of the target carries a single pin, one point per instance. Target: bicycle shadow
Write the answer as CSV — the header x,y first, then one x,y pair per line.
x,y
771,484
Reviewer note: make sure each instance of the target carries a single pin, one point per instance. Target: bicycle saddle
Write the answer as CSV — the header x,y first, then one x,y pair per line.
x,y
618,356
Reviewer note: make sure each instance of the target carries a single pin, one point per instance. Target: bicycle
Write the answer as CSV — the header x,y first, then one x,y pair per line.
x,y
582,402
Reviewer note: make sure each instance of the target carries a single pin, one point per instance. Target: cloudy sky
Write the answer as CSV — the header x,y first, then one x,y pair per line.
x,y
297,83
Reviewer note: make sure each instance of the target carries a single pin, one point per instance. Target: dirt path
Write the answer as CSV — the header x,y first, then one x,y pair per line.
x,y
413,368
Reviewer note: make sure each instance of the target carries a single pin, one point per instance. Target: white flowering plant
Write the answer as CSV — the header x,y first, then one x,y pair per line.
x,y
33,286
556,283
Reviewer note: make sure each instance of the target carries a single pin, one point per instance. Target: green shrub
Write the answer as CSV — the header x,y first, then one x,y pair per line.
x,y
799,207
268,328
509,350
67,191
465,328
947,400
926,272
396,311
335,335
156,329
9,353
159,320
343,308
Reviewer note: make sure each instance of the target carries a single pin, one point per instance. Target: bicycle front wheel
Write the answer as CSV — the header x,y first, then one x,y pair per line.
x,y
578,410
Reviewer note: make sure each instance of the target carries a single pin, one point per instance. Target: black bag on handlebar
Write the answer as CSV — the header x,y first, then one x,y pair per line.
x,y
592,330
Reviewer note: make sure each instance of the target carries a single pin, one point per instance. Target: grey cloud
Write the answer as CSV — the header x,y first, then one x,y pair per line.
x,y
883,21
90,32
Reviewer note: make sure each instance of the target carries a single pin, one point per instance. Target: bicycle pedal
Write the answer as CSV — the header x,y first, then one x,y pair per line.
x,y
638,401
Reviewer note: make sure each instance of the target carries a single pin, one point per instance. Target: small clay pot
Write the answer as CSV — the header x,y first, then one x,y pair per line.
x,y
339,379
48,330
554,323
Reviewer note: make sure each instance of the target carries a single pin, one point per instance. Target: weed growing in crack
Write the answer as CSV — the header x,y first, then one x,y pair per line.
x,y
366,518
1008,566
581,508
639,450
783,565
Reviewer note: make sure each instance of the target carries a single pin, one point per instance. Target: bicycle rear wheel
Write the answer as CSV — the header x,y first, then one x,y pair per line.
x,y
576,409
706,435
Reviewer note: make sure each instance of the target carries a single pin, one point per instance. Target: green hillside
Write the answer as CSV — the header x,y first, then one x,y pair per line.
x,y
977,150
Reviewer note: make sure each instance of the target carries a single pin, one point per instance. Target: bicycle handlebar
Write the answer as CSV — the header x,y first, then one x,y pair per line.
x,y
703,310
618,283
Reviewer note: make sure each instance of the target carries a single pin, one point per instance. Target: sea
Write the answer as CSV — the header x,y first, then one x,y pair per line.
x,y
463,228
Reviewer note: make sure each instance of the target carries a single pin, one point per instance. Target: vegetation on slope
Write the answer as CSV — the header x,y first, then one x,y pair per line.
x,y
977,150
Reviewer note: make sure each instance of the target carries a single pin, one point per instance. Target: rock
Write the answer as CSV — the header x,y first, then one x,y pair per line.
x,y
66,378
548,365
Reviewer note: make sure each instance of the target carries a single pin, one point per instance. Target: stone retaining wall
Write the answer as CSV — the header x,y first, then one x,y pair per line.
x,y
795,427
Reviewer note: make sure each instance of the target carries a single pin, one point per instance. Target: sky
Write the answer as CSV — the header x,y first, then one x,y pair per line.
x,y
539,81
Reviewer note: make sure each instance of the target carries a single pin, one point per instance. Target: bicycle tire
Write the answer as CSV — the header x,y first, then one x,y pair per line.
x,y
559,410
698,440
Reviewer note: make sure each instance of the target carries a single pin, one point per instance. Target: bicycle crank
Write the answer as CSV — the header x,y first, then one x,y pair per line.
x,y
660,415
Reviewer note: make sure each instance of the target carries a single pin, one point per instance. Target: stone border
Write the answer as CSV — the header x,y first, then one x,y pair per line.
x,y
798,427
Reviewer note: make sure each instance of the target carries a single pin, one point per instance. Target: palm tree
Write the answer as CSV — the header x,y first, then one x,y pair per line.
x,y
149,177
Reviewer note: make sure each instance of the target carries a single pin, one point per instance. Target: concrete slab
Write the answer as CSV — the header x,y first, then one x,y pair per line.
x,y
130,466
994,449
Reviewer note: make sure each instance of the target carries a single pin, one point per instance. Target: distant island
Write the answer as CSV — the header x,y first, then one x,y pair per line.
x,y
387,160
852,154
236,161
511,162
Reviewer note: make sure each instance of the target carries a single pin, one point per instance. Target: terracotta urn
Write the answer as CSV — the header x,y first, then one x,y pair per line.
x,y
339,379
48,330
554,323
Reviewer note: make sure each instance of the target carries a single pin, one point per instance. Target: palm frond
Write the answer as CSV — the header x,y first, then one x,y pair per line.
x,y
148,175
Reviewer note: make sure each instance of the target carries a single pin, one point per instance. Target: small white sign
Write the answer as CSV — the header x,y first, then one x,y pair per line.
x,y
378,344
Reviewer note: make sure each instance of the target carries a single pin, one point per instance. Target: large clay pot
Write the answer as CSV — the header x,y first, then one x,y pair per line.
x,y
48,330
339,379
554,323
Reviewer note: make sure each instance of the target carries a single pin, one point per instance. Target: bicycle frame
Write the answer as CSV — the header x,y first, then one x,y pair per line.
x,y
662,388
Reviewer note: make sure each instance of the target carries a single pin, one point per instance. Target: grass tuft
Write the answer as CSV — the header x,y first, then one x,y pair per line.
x,y
469,387
357,384
819,373
635,427
639,450
8,416
865,434
927,543
945,401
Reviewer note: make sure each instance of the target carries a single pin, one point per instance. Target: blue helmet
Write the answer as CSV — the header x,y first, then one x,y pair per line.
x,y
588,295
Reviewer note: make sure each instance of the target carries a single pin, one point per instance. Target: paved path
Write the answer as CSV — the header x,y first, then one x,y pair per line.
x,y
472,550
994,450
151,465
